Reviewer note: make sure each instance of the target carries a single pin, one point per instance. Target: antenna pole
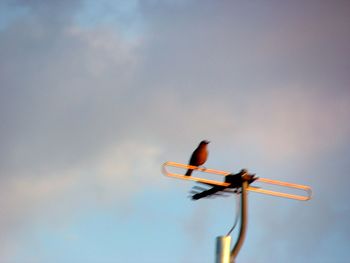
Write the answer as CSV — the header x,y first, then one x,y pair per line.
x,y
243,223
223,246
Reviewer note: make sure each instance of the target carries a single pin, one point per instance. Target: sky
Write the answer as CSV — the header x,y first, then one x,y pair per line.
x,y
96,95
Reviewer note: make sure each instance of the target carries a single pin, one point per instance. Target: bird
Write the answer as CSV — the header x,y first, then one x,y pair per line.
x,y
199,156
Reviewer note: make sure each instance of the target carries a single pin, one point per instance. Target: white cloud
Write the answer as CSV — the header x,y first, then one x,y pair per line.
x,y
58,198
88,114
297,120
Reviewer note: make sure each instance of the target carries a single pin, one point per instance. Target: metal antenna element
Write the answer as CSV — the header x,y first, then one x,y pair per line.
x,y
240,182
226,184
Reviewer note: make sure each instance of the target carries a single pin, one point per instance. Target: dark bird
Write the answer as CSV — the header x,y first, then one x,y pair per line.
x,y
199,156
234,181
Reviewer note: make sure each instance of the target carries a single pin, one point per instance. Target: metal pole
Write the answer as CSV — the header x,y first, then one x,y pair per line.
x,y
243,223
223,246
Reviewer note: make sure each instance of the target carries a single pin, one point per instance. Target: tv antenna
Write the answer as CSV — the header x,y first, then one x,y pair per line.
x,y
238,183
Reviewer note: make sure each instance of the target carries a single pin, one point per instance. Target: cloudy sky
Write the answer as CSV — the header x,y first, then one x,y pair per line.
x,y
96,95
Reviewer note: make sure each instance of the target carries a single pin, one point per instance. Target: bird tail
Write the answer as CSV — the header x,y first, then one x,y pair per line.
x,y
189,172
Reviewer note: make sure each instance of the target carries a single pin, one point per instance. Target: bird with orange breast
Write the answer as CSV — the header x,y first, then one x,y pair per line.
x,y
199,156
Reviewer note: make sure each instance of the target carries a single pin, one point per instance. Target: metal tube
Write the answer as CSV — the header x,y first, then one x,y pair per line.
x,y
223,246
243,223
304,188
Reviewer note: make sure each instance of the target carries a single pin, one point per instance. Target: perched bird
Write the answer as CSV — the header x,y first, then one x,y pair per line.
x,y
199,156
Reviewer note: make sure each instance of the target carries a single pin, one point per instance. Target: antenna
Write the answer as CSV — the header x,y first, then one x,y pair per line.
x,y
240,183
